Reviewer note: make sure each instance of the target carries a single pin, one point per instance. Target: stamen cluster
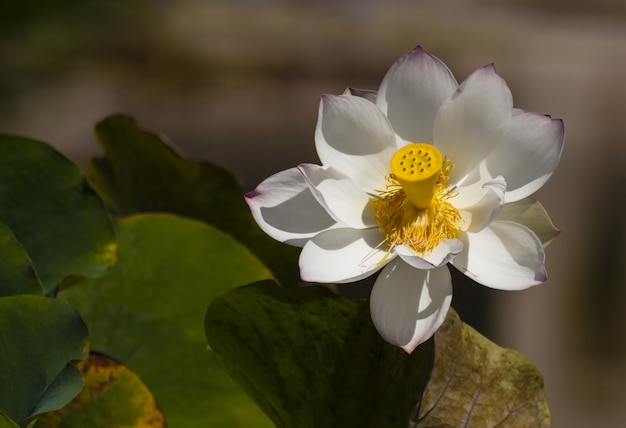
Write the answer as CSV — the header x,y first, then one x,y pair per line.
x,y
419,229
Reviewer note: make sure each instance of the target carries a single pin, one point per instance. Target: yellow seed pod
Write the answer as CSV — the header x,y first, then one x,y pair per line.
x,y
416,167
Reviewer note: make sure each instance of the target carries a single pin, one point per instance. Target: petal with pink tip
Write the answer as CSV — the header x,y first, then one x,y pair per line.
x,y
528,154
285,208
473,121
411,93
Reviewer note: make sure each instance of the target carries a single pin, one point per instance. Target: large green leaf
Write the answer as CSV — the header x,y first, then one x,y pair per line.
x,y
39,336
312,359
141,173
148,313
17,275
477,383
58,218
113,396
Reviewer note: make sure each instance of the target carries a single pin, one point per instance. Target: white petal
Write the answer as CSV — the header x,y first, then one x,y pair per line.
x,y
440,255
473,121
479,214
466,196
411,93
533,215
285,209
528,154
343,255
505,255
354,137
343,199
409,305
368,94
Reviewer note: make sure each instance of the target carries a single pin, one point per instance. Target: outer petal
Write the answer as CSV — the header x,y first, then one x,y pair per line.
x,y
478,215
343,255
505,255
286,210
409,305
343,199
473,121
442,254
354,137
528,154
533,215
411,93
368,94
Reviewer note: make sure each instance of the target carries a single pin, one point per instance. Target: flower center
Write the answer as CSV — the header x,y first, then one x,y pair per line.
x,y
414,209
417,167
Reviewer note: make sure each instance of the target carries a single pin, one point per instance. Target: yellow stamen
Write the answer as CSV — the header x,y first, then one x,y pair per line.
x,y
417,167
414,210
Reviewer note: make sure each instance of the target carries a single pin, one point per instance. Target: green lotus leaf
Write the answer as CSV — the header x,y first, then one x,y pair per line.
x,y
39,337
52,211
148,312
312,359
17,275
141,173
112,396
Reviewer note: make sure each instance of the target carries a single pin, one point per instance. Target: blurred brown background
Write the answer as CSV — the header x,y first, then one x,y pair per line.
x,y
238,83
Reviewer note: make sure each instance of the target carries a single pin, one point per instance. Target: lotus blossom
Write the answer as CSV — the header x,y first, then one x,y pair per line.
x,y
422,173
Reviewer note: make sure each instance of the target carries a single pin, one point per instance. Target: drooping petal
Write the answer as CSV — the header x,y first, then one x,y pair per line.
x,y
479,214
354,137
411,93
343,255
409,305
533,215
504,255
338,193
473,121
528,154
285,208
439,256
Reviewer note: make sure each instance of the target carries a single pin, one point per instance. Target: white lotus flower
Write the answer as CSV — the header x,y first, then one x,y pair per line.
x,y
423,173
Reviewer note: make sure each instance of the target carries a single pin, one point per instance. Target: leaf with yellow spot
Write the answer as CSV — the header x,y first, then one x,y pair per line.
x,y
112,396
147,311
140,172
40,338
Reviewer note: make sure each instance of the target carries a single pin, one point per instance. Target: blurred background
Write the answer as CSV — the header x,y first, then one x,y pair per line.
x,y
238,83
